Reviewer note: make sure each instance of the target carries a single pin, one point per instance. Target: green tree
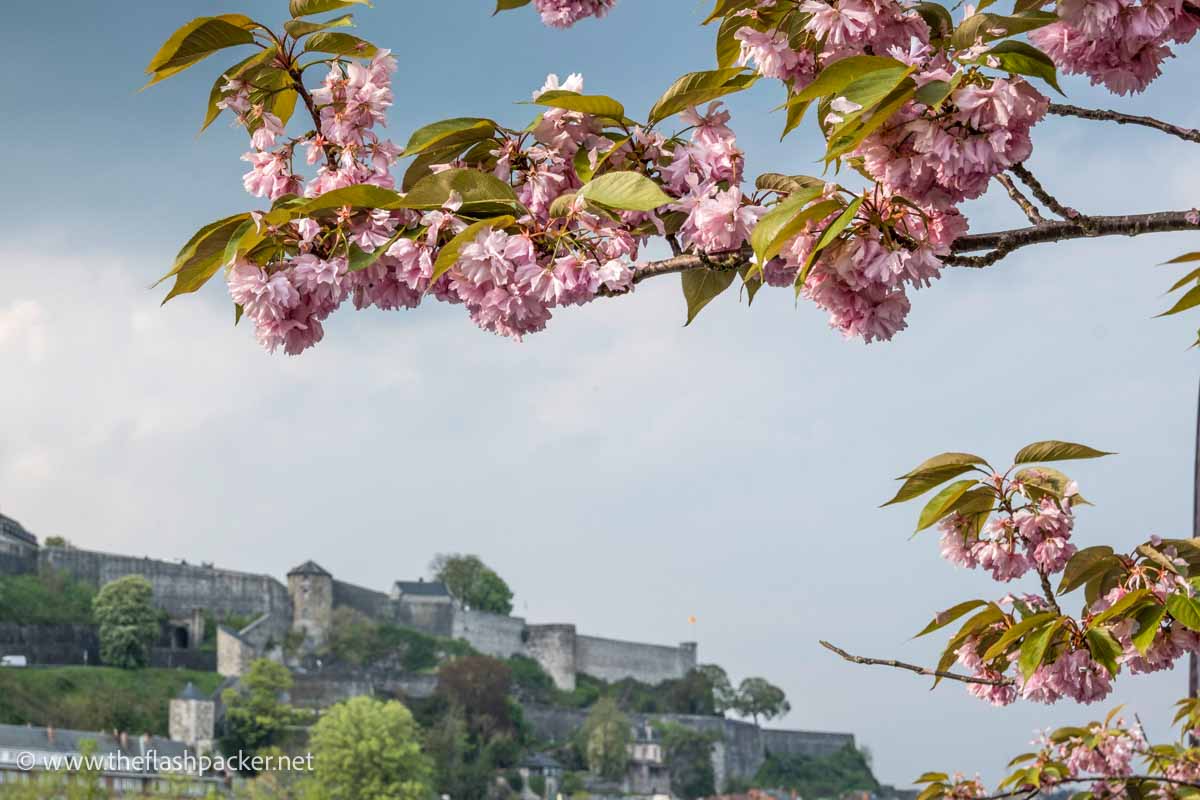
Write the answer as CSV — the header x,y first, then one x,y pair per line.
x,y
459,770
757,697
255,715
50,597
723,694
480,686
688,754
606,739
472,582
818,776
367,749
128,621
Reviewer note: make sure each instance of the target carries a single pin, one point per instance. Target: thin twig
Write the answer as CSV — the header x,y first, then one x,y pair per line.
x,y
1021,200
1064,110
1045,198
889,662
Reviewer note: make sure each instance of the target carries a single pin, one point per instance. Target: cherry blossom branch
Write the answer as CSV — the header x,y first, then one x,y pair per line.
x,y
302,90
1026,792
997,243
1045,198
1065,110
888,662
1021,200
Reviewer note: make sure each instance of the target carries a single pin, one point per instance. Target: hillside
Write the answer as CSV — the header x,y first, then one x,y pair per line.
x,y
95,698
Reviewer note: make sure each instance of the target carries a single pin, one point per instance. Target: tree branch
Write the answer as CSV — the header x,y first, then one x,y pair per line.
x,y
1064,110
888,662
998,244
1044,197
1021,200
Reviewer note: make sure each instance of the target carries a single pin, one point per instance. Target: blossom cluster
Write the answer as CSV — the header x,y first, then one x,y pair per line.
x,y
565,13
1118,43
1036,536
507,281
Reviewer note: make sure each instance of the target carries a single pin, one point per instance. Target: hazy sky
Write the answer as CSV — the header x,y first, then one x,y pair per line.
x,y
619,471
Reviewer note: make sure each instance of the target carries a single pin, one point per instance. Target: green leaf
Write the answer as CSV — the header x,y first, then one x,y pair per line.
x,y
597,105
297,28
922,482
215,94
1085,565
1042,482
1019,629
943,460
481,192
1185,258
850,134
629,191
1189,300
987,27
934,93
341,44
583,162
1123,606
788,184
1056,451
198,40
831,233
944,618
450,251
358,196
728,47
1033,649
306,8
1105,649
700,286
1023,59
700,87
1186,279
843,72
506,5
459,130
940,23
942,503
203,255
873,87
1148,619
784,221
1186,610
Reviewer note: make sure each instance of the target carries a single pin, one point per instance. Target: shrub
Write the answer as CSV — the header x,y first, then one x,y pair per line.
x,y
537,785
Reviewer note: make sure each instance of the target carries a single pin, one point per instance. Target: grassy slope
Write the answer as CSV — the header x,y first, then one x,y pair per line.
x,y
95,698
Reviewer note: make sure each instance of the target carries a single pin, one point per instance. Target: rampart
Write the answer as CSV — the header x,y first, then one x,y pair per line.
x,y
178,588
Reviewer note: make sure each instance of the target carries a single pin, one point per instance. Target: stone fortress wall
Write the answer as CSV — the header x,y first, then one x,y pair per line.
x,y
310,596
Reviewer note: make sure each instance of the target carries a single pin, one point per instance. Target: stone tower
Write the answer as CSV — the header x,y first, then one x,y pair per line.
x,y
311,590
192,719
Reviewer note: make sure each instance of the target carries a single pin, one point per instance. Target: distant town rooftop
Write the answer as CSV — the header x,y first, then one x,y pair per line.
x,y
428,588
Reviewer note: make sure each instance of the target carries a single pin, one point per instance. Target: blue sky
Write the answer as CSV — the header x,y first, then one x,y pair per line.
x,y
621,472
